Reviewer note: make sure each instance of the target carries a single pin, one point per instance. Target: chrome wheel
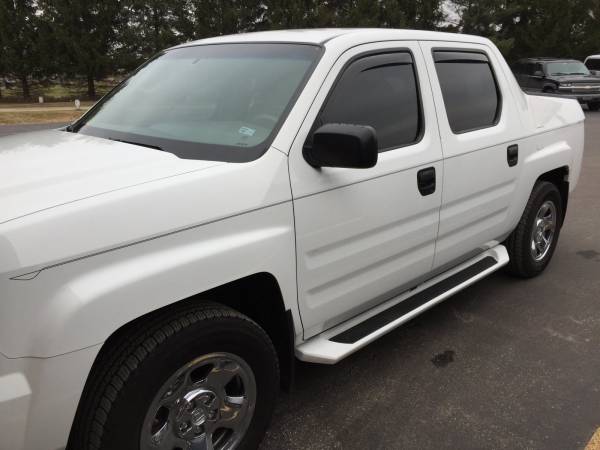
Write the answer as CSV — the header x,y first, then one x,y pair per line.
x,y
543,231
206,405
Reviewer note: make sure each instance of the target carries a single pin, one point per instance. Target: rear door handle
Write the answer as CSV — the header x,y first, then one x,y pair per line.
x,y
512,155
426,181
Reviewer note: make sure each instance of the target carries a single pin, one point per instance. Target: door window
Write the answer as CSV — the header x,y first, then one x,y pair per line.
x,y
538,68
469,88
379,91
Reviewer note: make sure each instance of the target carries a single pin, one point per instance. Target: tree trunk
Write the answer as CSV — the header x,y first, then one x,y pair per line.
x,y
25,86
91,90
156,20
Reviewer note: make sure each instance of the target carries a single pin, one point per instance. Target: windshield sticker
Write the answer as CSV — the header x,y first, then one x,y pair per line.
x,y
247,131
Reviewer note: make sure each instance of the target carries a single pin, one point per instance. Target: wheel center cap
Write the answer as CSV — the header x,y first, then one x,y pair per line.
x,y
198,416
197,407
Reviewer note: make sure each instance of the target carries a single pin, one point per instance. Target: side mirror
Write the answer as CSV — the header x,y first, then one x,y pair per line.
x,y
538,73
342,145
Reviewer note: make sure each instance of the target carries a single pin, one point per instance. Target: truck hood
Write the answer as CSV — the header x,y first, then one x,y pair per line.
x,y
45,169
64,197
585,79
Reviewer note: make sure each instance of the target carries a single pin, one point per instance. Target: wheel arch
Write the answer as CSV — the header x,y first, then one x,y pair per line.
x,y
268,311
560,178
257,296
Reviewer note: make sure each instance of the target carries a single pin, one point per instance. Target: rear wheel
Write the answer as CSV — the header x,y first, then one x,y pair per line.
x,y
531,245
200,379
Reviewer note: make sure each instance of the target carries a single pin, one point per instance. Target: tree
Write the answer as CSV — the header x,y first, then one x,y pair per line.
x,y
151,27
591,40
520,28
417,14
19,38
92,38
423,14
219,17
85,31
554,28
3,67
488,18
286,14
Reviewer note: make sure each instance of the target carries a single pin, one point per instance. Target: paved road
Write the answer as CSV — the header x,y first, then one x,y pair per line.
x,y
506,364
22,109
6,130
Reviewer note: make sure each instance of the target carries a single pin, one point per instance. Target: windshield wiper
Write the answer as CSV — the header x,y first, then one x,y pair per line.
x,y
155,147
74,127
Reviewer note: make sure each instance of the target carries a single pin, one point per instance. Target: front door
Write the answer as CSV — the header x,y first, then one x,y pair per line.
x,y
363,235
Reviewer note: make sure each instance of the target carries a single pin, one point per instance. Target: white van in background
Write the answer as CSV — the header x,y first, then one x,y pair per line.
x,y
593,64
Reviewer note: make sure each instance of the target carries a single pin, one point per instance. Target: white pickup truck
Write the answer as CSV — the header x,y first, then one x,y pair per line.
x,y
243,201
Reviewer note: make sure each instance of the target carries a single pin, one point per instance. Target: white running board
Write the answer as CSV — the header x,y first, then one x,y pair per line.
x,y
341,341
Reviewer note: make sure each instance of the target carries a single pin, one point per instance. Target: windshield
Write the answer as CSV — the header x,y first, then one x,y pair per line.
x,y
567,68
219,102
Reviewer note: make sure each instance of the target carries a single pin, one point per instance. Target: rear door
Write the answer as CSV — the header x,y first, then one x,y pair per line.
x,y
364,235
481,140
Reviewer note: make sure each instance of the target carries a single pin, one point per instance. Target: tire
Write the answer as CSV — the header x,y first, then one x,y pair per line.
x,y
157,362
595,106
527,260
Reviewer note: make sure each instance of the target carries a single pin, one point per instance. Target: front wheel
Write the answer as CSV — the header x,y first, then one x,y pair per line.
x,y
204,378
531,245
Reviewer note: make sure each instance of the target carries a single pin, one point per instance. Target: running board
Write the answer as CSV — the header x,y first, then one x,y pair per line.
x,y
341,341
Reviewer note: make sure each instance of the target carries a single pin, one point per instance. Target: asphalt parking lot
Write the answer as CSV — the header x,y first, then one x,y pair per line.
x,y
505,364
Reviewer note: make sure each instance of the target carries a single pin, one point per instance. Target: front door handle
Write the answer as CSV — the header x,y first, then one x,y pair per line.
x,y
512,155
426,181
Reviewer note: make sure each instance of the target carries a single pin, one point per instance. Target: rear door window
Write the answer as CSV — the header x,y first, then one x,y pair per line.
x,y
471,94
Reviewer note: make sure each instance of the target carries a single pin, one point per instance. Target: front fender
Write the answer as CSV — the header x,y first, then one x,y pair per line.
x,y
79,304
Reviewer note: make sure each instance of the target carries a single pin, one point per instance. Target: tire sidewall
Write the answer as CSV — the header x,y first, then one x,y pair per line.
x,y
236,336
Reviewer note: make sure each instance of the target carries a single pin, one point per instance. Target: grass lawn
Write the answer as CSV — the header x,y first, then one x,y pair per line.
x,y
58,106
4,107
15,117
36,113
53,91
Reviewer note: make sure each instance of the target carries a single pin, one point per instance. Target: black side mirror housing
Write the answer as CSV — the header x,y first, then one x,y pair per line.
x,y
342,145
538,73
